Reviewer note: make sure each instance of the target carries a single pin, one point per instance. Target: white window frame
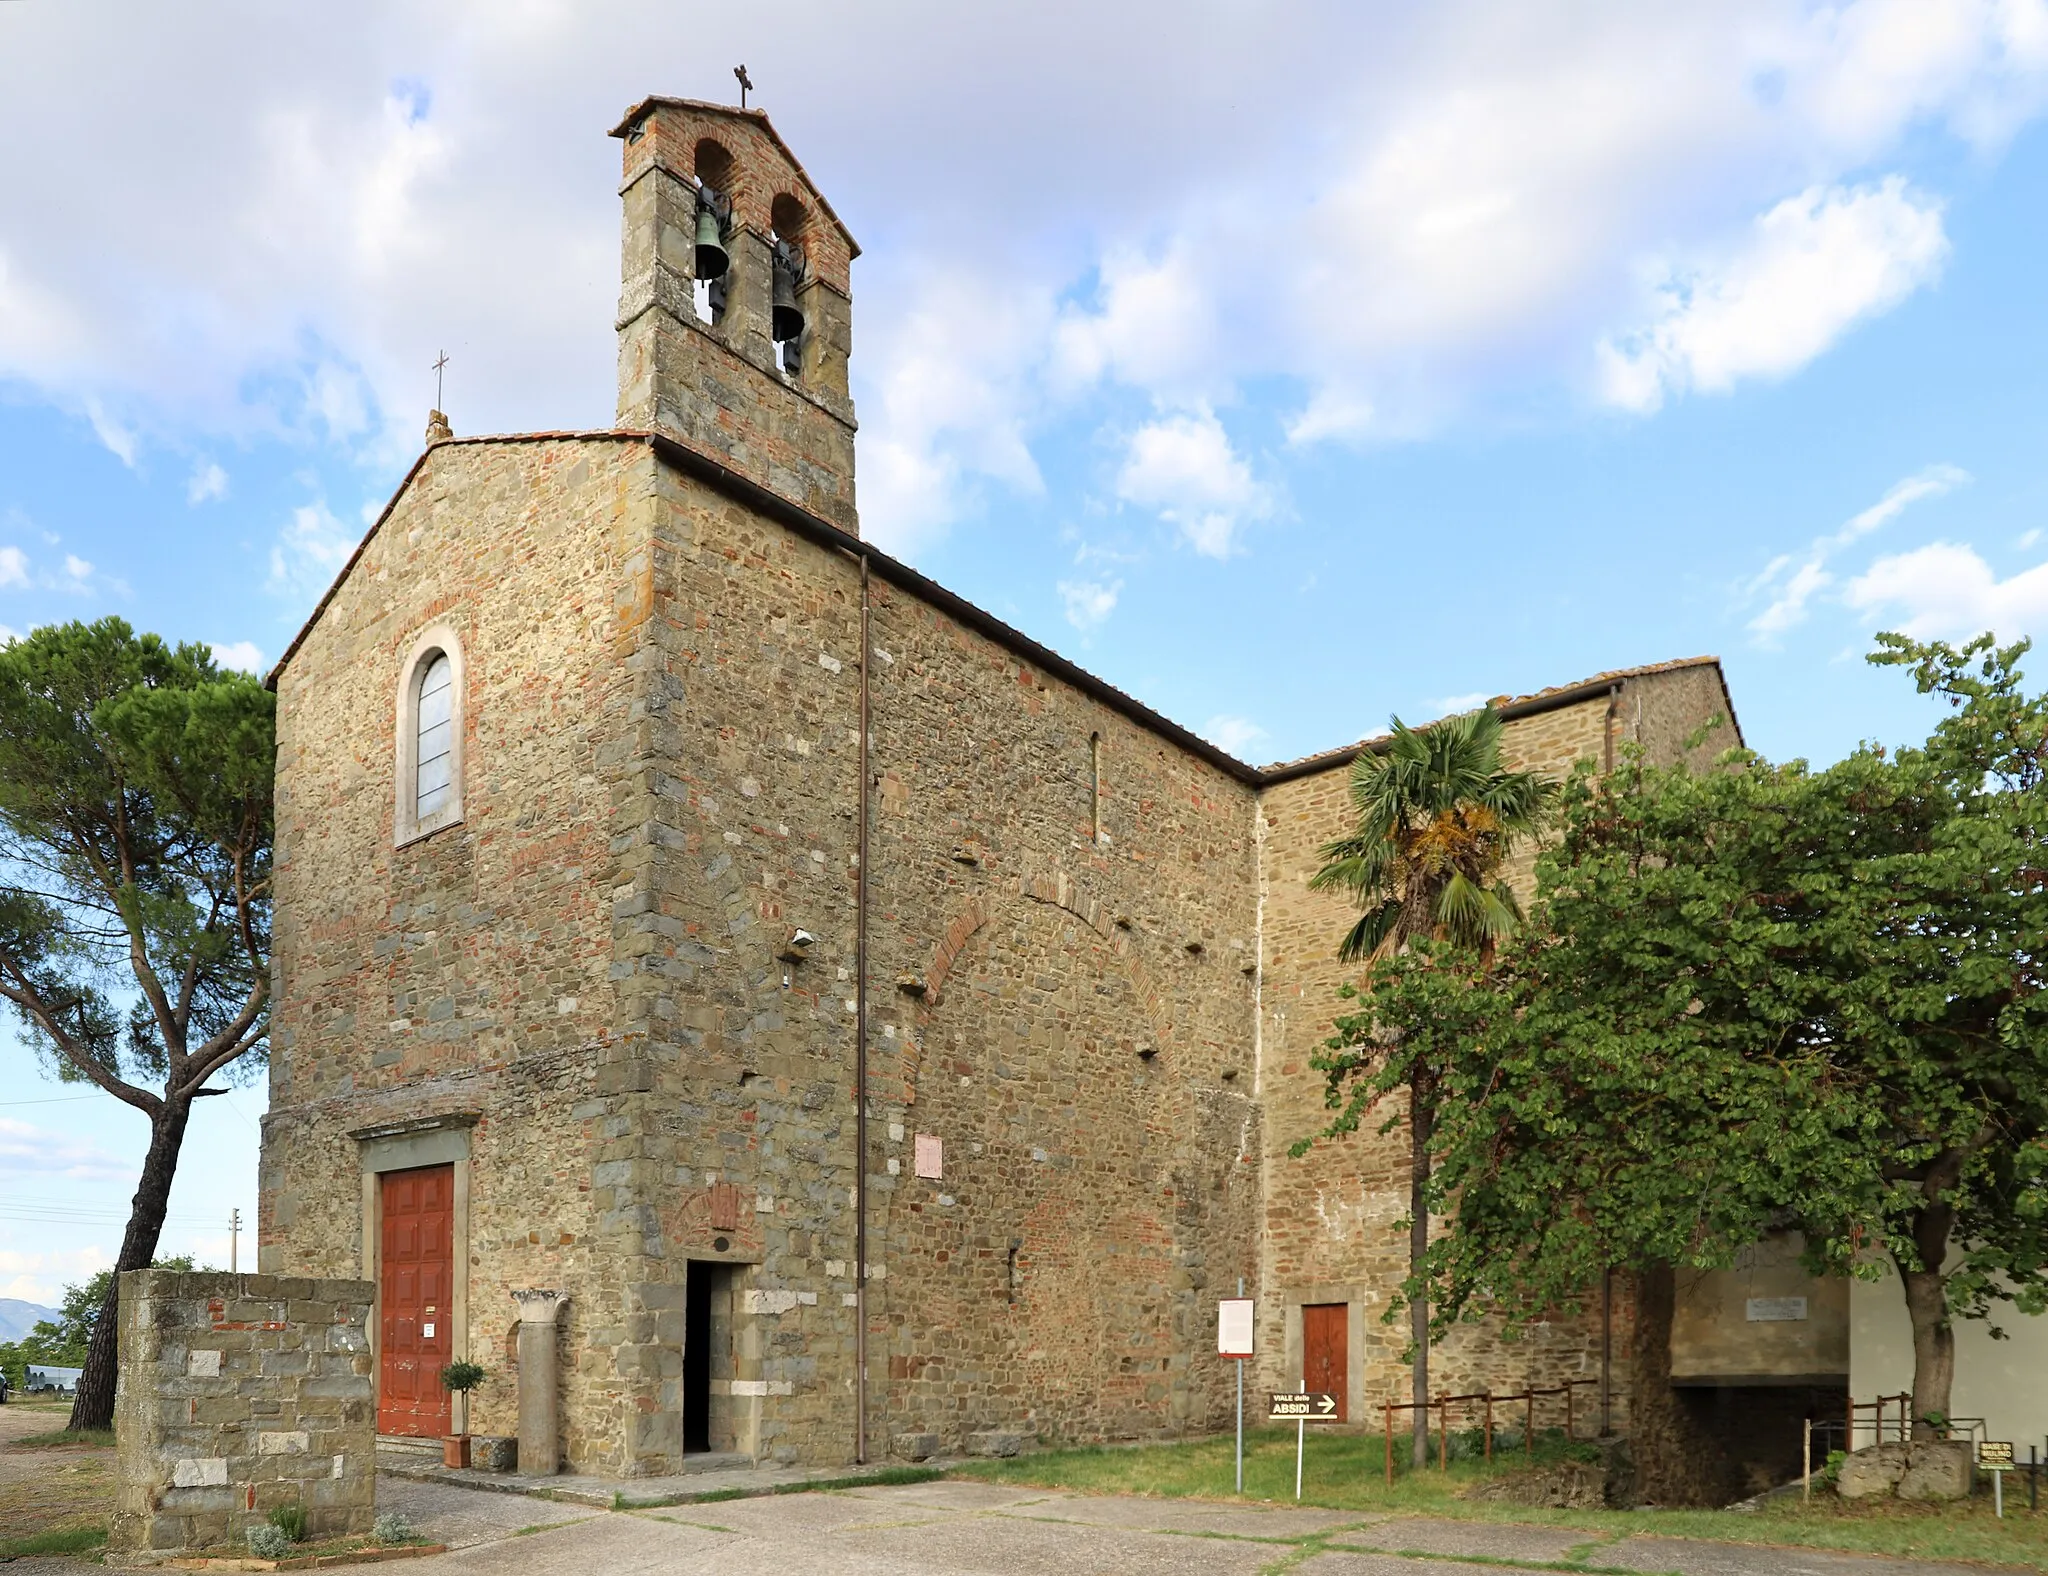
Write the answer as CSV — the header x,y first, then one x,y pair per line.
x,y
407,826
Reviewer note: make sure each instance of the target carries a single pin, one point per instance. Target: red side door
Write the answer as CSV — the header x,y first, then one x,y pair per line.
x,y
1325,1343
416,1278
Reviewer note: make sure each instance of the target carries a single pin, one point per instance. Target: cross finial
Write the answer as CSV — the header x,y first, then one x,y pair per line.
x,y
746,82
440,362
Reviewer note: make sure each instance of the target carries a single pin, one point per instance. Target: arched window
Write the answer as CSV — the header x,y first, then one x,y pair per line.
x,y
434,771
430,729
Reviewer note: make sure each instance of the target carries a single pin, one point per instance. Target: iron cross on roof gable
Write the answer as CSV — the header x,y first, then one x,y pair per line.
x,y
746,82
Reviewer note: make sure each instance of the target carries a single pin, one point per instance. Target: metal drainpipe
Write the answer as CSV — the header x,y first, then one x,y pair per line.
x,y
860,1060
1607,728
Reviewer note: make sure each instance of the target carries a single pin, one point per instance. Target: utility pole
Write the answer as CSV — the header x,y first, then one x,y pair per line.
x,y
234,1241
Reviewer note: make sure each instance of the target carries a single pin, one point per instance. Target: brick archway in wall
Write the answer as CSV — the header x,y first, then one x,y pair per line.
x,y
1046,1279
1056,889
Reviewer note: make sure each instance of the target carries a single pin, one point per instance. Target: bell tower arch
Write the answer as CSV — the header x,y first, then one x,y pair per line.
x,y
736,306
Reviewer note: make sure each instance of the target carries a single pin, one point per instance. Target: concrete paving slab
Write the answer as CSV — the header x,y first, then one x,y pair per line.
x,y
1491,1540
462,1518
615,1545
787,1515
1341,1564
1013,1546
1697,1557
1189,1515
958,1494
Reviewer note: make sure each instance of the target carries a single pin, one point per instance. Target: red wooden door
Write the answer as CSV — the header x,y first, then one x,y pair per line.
x,y
415,1323
1325,1338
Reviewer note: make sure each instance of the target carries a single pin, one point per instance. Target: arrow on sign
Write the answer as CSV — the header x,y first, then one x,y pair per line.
x,y
1326,1404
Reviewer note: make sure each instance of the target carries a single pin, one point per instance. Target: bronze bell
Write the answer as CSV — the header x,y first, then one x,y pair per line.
x,y
787,321
712,259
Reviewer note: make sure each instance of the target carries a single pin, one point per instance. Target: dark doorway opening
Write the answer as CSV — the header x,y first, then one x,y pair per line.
x,y
707,1354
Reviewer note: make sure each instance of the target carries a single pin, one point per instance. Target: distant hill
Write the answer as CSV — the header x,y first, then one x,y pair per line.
x,y
17,1318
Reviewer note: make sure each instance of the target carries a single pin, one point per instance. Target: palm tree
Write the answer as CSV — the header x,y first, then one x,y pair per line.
x,y
1437,818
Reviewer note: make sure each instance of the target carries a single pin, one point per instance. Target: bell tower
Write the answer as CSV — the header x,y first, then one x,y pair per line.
x,y
735,307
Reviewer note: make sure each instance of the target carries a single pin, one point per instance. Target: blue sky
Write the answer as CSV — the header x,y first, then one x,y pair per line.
x,y
1287,365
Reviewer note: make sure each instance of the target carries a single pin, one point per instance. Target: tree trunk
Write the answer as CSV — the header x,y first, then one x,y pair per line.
x,y
1421,1122
94,1406
1934,1338
1676,1462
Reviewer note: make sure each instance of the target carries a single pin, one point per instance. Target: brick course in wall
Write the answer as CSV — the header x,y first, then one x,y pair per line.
x,y
239,1394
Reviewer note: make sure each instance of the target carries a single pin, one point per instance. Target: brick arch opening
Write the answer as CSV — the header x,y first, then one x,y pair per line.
x,y
714,166
1039,1283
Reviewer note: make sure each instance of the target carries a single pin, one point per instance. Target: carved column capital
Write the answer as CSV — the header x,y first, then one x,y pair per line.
x,y
540,1307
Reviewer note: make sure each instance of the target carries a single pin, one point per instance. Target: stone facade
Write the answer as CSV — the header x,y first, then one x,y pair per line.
x,y
617,996
1332,1217
239,1394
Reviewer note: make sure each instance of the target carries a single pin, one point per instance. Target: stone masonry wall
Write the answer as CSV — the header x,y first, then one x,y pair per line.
x,y
468,975
587,974
1121,963
239,1394
1332,1231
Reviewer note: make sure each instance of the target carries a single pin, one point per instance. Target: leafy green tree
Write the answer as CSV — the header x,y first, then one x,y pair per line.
x,y
135,845
1771,996
1437,816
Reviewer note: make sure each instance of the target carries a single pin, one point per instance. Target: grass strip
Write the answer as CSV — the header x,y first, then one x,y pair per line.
x,y
69,1540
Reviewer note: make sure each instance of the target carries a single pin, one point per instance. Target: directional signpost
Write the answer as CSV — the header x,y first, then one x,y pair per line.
x,y
1304,1407
1995,1457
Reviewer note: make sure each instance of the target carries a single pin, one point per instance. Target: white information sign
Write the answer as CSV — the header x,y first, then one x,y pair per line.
x,y
1774,1310
1234,1323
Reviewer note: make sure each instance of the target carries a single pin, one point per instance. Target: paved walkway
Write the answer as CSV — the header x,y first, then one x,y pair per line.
x,y
608,1492
976,1529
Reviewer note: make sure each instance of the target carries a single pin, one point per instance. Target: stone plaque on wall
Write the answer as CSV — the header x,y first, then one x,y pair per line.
x,y
1774,1310
931,1155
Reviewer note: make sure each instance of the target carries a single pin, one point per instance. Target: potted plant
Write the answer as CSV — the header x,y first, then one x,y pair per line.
x,y
458,1379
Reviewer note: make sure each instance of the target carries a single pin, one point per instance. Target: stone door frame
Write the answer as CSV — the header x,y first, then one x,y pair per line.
x,y
1293,1347
404,1146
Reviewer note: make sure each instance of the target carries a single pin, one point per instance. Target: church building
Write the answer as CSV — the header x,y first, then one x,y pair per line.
x,y
737,987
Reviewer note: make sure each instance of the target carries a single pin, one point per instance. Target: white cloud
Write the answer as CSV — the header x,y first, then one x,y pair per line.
x,y
1089,602
1946,590
208,481
317,211
309,553
13,567
43,1277
1452,705
1792,582
38,1151
242,655
8,635
1813,267
1232,735
120,440
2028,538
77,572
1184,468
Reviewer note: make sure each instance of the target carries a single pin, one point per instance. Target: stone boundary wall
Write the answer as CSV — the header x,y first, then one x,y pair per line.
x,y
238,1394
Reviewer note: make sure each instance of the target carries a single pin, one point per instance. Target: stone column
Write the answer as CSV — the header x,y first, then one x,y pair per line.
x,y
540,1411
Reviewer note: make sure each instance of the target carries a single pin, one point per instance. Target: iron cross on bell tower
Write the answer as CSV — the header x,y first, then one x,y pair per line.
x,y
746,82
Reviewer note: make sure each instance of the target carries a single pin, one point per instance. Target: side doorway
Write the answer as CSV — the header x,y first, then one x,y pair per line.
x,y
1325,1351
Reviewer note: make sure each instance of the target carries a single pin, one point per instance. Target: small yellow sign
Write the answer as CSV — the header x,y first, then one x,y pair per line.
x,y
1995,1455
